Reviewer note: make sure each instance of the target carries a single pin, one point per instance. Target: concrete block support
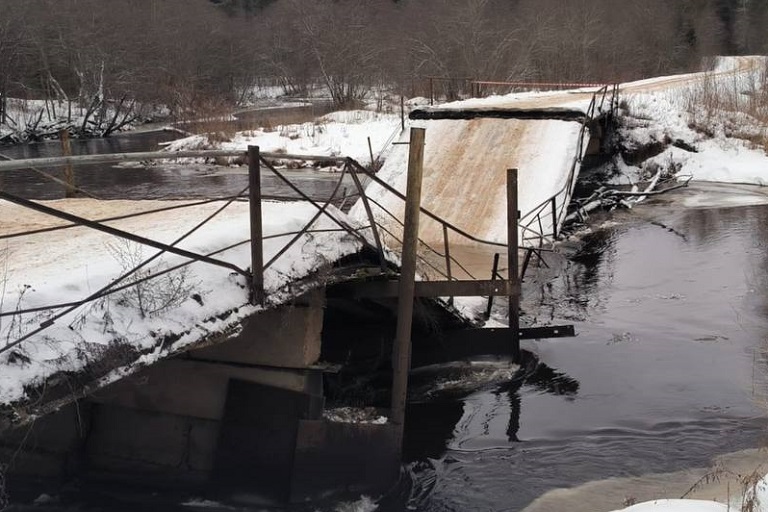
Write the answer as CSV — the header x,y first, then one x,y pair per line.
x,y
287,337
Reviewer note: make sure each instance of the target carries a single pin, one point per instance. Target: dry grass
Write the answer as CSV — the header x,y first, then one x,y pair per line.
x,y
737,105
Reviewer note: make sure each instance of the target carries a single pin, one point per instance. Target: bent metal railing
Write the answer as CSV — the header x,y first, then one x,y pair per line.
x,y
551,212
435,263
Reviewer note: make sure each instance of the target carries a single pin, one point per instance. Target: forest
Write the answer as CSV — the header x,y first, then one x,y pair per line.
x,y
191,55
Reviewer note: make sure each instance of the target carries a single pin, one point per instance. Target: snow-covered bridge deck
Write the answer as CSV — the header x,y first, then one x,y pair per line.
x,y
469,147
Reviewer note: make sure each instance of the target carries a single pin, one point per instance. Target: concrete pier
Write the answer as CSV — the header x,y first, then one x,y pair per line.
x,y
243,416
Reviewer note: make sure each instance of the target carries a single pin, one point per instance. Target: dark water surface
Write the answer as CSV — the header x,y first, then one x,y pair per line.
x,y
667,371
174,181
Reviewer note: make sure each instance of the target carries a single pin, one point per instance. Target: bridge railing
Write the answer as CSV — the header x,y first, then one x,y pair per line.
x,y
541,224
20,323
435,263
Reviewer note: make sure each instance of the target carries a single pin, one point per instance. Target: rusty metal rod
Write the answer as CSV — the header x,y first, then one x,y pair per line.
x,y
447,258
391,189
50,321
306,228
314,203
118,232
369,213
494,274
118,217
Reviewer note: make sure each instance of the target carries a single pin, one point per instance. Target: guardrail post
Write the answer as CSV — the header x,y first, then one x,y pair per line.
x,y
512,242
447,258
494,272
406,286
554,218
257,240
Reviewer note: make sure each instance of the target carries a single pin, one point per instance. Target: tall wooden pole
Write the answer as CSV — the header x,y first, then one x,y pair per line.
x,y
512,242
402,348
257,240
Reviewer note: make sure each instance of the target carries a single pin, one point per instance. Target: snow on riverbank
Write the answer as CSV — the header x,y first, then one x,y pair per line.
x,y
69,265
343,133
711,128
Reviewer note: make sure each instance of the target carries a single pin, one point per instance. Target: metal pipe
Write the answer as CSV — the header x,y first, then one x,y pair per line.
x,y
494,273
369,213
447,257
257,241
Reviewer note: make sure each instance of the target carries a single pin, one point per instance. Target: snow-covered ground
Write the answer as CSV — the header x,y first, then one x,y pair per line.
x,y
69,265
343,133
702,125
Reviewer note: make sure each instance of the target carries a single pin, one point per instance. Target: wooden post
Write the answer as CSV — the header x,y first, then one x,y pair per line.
x,y
257,241
514,300
402,113
402,348
69,172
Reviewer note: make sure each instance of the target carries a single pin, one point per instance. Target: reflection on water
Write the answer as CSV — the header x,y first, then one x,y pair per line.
x,y
106,181
667,370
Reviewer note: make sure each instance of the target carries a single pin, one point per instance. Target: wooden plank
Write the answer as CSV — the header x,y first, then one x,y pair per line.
x,y
384,289
513,217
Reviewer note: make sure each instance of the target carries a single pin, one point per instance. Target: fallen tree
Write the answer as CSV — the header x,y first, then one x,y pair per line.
x,y
608,199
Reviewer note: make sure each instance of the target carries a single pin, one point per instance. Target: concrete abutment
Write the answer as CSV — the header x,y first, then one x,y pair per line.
x,y
243,417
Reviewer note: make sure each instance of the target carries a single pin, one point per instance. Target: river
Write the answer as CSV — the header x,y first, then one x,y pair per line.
x,y
106,181
667,371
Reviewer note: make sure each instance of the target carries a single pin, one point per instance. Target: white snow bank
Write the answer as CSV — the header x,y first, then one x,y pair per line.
x,y
572,99
343,133
700,143
755,499
68,265
677,506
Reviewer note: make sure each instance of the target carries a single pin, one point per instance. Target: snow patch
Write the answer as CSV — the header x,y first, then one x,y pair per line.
x,y
343,133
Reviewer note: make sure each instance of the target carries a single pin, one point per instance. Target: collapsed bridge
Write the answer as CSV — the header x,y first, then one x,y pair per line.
x,y
197,392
